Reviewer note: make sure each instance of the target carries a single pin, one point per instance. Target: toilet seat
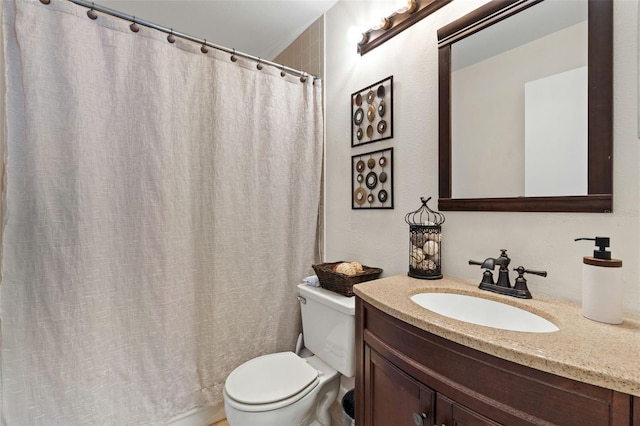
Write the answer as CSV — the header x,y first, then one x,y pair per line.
x,y
252,383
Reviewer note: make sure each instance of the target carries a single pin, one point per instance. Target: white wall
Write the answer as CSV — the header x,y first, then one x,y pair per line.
x,y
534,240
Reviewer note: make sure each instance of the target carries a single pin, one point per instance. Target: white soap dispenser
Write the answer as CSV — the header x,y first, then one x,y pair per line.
x,y
602,284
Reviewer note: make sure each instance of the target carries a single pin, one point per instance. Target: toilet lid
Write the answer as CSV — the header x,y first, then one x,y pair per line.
x,y
270,378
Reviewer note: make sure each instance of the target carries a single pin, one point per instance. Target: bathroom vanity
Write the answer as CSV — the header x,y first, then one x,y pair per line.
x,y
415,367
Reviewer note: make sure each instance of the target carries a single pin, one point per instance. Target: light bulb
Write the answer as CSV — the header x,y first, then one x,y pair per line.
x,y
407,6
355,35
384,24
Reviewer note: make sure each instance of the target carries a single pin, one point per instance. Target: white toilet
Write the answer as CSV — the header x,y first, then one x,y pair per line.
x,y
286,389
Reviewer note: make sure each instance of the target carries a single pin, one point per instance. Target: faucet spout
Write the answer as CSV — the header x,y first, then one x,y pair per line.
x,y
503,272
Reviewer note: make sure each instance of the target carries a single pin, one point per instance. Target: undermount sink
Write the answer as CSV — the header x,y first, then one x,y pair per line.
x,y
489,313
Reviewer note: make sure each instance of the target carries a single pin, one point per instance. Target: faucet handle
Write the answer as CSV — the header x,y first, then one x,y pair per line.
x,y
520,287
487,275
521,271
489,263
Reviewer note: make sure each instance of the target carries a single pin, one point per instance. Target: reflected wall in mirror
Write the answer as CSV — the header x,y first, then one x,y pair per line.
x,y
519,104
525,107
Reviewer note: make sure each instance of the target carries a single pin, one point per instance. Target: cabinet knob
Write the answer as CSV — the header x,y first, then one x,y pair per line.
x,y
419,418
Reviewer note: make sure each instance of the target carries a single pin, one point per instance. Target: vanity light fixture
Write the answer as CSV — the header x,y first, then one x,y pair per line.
x,y
410,12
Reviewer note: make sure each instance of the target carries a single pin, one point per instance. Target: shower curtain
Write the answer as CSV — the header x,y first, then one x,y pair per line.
x,y
160,206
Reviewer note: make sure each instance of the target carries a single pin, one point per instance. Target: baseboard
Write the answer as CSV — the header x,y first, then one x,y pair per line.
x,y
202,416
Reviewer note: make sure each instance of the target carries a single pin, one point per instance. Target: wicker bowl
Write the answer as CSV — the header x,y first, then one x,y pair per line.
x,y
341,283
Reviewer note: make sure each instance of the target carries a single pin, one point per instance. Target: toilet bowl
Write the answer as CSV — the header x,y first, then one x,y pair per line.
x,y
286,389
281,389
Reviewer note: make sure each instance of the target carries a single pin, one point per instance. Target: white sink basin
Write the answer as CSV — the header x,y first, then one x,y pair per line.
x,y
489,313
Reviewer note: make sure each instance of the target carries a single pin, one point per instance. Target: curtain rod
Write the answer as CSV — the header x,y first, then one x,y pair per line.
x,y
284,69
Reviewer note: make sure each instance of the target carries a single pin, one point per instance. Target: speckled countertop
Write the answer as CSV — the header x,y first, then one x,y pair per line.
x,y
588,351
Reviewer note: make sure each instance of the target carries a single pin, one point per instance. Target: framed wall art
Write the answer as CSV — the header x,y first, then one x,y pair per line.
x,y
372,180
372,113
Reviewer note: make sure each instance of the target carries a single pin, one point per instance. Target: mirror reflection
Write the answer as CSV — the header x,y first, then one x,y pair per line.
x,y
519,98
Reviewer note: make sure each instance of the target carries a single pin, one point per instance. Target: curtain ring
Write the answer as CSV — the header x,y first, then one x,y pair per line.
x,y
92,13
171,38
259,66
303,77
233,56
282,73
204,48
45,1
134,26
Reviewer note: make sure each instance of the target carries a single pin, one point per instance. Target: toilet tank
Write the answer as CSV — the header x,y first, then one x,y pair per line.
x,y
328,326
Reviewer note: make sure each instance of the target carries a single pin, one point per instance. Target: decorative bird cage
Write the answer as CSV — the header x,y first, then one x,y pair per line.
x,y
425,242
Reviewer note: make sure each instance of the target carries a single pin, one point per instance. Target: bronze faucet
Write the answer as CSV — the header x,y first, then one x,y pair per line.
x,y
503,286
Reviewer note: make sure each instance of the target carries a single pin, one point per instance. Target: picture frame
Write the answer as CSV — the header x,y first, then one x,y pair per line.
x,y
372,113
372,180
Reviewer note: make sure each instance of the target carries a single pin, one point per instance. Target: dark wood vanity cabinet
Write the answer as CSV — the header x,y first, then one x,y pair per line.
x,y
407,376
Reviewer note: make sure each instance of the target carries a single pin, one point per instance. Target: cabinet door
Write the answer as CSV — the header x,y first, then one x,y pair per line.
x,y
449,413
392,397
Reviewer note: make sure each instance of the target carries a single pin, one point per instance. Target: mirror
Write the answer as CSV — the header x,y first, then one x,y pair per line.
x,y
525,107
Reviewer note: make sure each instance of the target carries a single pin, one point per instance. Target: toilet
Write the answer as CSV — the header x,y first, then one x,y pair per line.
x,y
287,389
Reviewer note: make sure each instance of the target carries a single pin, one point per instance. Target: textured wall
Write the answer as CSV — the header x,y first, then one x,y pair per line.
x,y
306,53
535,240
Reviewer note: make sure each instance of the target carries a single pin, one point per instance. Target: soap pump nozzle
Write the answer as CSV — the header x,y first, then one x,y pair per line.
x,y
602,243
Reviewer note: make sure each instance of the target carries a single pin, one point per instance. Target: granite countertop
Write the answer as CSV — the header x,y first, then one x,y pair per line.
x,y
588,351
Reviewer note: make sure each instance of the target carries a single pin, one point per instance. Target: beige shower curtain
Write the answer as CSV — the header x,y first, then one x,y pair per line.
x,y
160,207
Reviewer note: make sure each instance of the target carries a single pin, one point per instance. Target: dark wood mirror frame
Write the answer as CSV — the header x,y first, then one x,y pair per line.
x,y
600,113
